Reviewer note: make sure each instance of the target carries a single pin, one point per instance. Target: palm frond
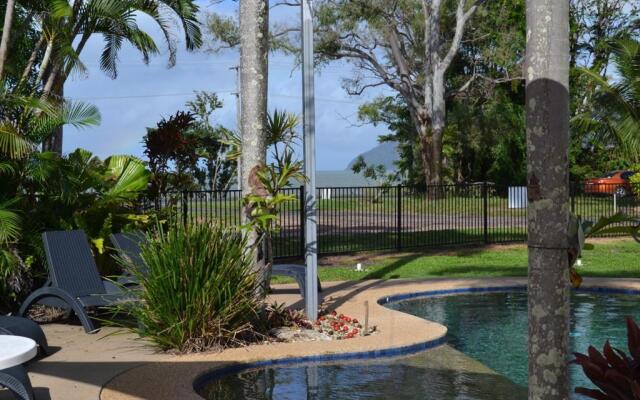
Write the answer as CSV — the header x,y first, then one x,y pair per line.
x,y
129,175
9,223
165,23
41,166
109,56
13,144
7,168
187,13
60,9
616,115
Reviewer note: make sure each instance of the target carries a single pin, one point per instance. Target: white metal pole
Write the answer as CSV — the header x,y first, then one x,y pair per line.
x,y
309,116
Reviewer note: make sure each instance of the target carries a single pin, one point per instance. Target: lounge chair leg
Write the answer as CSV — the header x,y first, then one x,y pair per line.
x,y
17,381
78,309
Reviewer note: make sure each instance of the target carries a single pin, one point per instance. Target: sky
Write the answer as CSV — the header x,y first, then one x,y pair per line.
x,y
143,94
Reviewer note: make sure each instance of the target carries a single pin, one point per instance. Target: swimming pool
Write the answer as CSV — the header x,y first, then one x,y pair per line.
x,y
486,357
492,327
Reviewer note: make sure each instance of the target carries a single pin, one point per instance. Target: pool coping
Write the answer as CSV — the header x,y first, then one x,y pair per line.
x,y
385,347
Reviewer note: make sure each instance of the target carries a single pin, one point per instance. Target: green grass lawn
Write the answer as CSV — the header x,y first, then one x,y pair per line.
x,y
609,258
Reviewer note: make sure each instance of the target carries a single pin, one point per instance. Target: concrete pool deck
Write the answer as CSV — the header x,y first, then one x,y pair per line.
x,y
118,367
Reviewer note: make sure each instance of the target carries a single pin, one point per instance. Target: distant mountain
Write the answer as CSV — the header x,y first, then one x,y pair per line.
x,y
385,153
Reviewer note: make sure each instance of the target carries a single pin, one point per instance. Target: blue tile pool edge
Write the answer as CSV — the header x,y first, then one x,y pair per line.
x,y
203,379
433,293
494,289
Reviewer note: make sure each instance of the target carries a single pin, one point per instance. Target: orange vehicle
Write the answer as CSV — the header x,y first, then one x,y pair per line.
x,y
613,182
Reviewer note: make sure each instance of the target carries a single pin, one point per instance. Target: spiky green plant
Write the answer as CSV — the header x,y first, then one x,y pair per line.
x,y
197,289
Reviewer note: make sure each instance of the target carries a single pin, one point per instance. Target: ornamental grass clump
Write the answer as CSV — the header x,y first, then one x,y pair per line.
x,y
197,291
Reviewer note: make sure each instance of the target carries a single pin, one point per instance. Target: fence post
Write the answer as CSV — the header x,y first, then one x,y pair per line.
x,y
399,217
485,201
185,208
303,217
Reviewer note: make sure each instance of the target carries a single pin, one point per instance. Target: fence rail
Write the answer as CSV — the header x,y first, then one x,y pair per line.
x,y
353,219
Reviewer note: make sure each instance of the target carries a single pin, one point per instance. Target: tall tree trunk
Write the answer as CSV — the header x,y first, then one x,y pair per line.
x,y
44,65
54,141
32,59
426,150
254,52
547,104
430,119
438,123
6,34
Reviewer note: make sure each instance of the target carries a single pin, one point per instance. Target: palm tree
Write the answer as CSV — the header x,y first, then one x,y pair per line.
x,y
6,34
254,50
615,119
66,28
547,105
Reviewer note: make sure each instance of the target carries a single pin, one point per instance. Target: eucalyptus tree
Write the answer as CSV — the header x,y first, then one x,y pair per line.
x,y
66,27
254,53
547,107
407,46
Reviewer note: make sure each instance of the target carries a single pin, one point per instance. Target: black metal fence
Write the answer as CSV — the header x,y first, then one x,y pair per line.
x,y
353,219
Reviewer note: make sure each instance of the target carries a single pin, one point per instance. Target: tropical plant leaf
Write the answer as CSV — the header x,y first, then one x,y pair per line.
x,y
13,145
7,168
616,118
9,223
129,175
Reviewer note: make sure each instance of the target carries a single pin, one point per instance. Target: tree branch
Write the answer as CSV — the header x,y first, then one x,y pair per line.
x,y
462,18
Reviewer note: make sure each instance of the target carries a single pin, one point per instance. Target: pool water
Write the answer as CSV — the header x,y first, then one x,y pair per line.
x,y
492,327
438,374
486,357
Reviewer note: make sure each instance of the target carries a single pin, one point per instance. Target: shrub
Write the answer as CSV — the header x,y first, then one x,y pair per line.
x,y
198,291
615,374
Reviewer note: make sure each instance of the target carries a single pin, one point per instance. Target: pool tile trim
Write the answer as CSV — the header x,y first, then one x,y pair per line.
x,y
218,373
444,292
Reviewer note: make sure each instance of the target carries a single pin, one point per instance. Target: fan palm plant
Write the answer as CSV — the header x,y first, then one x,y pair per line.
x,y
615,120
